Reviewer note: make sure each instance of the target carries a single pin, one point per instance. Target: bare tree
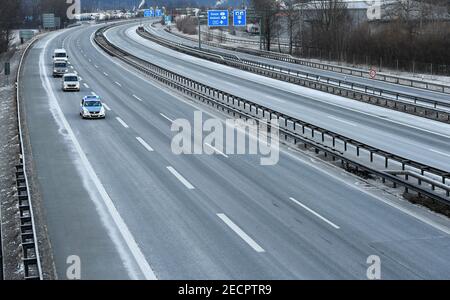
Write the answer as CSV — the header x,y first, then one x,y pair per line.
x,y
8,20
58,7
267,11
330,23
294,12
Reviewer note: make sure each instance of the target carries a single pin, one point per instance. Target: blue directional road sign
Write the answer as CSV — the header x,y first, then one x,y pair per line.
x,y
217,17
240,17
147,13
158,12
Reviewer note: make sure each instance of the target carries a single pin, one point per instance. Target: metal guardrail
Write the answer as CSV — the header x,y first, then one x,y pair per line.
x,y
338,147
432,109
282,44
31,258
421,84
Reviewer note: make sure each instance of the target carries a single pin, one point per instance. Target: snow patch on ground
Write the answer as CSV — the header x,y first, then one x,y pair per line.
x,y
436,79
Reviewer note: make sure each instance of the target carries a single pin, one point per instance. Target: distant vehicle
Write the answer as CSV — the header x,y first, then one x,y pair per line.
x,y
253,28
91,107
59,68
70,82
60,54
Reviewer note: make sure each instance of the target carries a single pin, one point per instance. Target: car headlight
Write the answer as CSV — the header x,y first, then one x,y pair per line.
x,y
85,111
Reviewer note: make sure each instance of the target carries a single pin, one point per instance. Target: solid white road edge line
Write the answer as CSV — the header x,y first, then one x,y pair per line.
x,y
107,211
412,214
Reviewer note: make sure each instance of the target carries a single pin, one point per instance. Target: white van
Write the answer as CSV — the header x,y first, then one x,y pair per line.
x,y
60,54
70,82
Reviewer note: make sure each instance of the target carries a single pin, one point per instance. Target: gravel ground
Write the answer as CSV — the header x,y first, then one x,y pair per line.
x,y
9,158
9,150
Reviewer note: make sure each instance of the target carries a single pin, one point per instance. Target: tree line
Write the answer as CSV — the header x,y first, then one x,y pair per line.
x,y
9,18
412,34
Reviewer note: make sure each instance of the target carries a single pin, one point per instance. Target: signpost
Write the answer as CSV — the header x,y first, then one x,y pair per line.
x,y
147,13
217,18
57,22
7,72
48,21
372,73
158,12
26,35
7,69
168,20
240,17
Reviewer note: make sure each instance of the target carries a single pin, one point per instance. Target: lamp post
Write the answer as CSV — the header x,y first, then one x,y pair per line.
x,y
199,18
199,33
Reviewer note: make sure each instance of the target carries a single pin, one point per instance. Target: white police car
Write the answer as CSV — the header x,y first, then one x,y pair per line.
x,y
91,107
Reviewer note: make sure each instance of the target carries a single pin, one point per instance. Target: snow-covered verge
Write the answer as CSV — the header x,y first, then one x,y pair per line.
x,y
436,79
15,41
416,76
9,157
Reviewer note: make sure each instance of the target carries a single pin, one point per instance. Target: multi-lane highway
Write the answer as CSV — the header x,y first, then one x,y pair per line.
x,y
414,138
158,30
115,195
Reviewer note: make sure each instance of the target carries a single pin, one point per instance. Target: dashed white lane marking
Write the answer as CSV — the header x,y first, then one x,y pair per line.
x,y
180,178
94,94
241,233
343,121
314,213
118,83
439,152
106,74
86,85
106,106
122,122
166,117
144,143
216,150
116,227
136,97
96,66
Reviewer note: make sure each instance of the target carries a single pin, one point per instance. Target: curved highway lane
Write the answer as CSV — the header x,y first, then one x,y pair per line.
x,y
116,196
395,88
414,138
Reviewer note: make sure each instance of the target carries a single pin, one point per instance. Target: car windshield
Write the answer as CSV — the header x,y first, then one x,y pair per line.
x,y
60,65
60,55
92,103
71,78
